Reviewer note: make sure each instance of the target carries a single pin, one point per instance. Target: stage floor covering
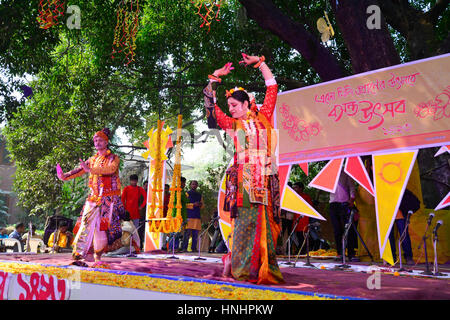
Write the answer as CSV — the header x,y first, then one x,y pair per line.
x,y
319,281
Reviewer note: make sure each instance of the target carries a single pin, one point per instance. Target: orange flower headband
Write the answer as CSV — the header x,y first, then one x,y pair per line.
x,y
102,135
229,93
252,106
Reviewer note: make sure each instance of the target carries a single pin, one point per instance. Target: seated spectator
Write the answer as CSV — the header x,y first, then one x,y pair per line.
x,y
34,235
3,233
17,233
122,245
63,238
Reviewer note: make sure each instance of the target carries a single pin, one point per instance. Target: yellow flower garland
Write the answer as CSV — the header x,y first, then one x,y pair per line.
x,y
189,288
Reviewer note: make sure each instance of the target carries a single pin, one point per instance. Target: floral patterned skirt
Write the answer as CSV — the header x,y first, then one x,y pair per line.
x,y
253,256
92,234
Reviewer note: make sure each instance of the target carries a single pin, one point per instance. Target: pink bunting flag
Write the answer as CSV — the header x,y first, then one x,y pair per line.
x,y
354,167
442,150
283,174
444,203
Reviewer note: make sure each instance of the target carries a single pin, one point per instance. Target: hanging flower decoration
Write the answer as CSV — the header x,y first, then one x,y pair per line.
x,y
126,30
49,13
157,145
208,11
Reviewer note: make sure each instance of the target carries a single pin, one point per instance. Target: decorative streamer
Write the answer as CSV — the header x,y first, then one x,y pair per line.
x,y
49,13
157,145
208,11
126,30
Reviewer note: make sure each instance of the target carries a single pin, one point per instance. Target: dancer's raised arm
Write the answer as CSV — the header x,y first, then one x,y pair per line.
x,y
272,88
213,113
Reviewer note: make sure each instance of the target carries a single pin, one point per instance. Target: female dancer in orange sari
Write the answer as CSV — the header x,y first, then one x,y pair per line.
x,y
252,186
100,225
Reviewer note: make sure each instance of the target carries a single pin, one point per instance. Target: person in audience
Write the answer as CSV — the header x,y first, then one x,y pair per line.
x,y
193,214
184,202
130,199
18,232
61,240
34,235
122,246
3,233
341,202
409,203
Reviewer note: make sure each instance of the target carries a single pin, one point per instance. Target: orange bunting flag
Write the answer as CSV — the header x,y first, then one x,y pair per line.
x,y
327,178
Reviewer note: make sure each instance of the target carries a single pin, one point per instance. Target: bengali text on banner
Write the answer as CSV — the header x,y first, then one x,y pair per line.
x,y
402,107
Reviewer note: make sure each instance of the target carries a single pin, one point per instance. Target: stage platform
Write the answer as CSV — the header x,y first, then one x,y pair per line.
x,y
156,276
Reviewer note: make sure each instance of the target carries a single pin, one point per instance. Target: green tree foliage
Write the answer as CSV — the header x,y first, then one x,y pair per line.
x,y
78,88
3,209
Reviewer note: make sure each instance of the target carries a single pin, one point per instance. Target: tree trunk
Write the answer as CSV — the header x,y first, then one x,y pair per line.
x,y
270,18
369,49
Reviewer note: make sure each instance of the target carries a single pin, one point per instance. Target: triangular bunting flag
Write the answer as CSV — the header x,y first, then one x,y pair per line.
x,y
444,203
391,173
327,178
387,254
304,166
293,202
283,175
442,150
354,167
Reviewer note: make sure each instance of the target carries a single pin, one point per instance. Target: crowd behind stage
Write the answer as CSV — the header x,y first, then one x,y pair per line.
x,y
292,237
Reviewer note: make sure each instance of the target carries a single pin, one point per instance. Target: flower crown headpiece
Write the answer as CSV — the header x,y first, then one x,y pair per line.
x,y
229,93
252,106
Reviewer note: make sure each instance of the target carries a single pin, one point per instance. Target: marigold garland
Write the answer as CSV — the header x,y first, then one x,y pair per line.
x,y
190,288
126,29
169,224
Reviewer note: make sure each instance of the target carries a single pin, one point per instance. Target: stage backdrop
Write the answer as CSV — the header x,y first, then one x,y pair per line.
x,y
401,107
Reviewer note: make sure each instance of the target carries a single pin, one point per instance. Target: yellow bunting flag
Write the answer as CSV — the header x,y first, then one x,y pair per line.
x,y
293,202
391,173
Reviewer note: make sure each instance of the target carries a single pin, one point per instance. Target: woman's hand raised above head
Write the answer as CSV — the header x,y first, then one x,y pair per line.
x,y
60,173
226,69
249,59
